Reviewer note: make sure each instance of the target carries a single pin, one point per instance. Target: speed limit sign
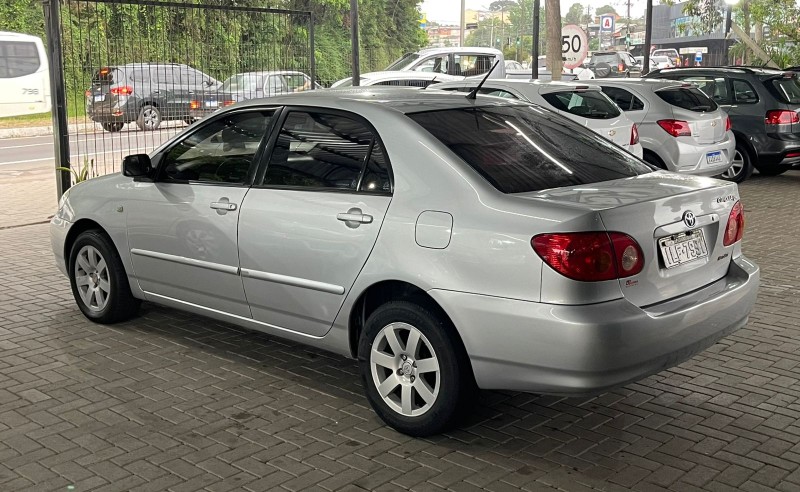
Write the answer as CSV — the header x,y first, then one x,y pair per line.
x,y
574,46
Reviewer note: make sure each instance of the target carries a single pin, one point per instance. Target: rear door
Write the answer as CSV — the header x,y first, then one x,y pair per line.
x,y
309,225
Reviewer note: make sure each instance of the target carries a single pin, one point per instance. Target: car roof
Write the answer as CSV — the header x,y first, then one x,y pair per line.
x,y
402,74
729,70
405,100
554,85
652,84
465,49
270,72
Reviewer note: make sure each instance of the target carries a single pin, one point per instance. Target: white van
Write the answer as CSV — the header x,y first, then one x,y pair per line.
x,y
24,75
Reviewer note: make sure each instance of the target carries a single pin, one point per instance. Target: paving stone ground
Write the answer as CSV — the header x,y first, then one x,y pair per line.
x,y
171,401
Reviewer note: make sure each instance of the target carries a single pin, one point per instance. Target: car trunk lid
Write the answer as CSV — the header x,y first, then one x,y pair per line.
x,y
706,121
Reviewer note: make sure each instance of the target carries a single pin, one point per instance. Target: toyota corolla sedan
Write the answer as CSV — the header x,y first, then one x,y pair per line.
x,y
444,242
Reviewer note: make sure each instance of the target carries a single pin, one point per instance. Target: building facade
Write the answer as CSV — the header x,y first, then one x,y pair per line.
x,y
672,28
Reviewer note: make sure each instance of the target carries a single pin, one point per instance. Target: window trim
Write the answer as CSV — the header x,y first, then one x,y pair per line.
x,y
158,160
263,164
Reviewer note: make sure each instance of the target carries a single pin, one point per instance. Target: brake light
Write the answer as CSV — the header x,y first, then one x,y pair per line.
x,y
634,135
229,103
194,104
590,256
781,117
735,228
728,125
676,128
105,71
124,90
621,67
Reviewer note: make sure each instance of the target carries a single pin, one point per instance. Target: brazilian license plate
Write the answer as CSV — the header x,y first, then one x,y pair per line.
x,y
682,248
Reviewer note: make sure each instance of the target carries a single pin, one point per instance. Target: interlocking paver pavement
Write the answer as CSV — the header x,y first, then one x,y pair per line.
x,y
171,401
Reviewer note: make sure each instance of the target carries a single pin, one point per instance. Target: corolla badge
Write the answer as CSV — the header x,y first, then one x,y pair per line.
x,y
689,219
611,133
713,123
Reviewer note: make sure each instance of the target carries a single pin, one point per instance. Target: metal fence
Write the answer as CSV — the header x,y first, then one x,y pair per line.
x,y
128,74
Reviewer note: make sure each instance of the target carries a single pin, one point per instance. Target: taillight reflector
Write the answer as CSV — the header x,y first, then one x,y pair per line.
x,y
781,117
124,90
229,103
590,256
194,104
676,128
634,135
734,230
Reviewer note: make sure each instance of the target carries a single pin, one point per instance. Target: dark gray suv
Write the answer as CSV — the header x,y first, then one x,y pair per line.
x,y
146,93
764,106
614,64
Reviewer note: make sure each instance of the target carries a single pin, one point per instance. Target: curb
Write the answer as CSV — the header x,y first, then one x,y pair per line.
x,y
42,131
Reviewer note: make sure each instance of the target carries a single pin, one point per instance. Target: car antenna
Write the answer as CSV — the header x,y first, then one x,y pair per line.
x,y
474,92
429,83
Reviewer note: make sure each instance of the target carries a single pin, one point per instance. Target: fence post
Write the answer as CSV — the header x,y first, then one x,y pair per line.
x,y
58,93
313,55
354,41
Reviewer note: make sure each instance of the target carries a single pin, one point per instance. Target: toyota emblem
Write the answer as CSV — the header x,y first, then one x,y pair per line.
x,y
689,219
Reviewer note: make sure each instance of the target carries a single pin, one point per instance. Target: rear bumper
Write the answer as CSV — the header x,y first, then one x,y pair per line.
x,y
775,149
557,349
690,158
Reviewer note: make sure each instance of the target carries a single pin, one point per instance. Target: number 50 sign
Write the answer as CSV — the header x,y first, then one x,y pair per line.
x,y
574,46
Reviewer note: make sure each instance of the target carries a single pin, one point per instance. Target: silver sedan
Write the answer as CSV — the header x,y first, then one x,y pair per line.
x,y
444,242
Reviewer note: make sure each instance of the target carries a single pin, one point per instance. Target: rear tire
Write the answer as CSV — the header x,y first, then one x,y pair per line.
x,y
149,118
98,279
414,369
742,166
113,127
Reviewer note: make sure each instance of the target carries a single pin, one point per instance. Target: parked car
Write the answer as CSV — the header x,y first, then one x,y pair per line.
x,y
580,73
442,241
663,61
614,64
584,104
145,93
398,79
763,105
249,85
458,61
640,62
670,53
680,128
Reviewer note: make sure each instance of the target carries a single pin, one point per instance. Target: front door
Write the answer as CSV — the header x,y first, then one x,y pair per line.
x,y
182,227
307,228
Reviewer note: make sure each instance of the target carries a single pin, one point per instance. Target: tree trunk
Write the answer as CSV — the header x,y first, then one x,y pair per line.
x,y
552,12
746,27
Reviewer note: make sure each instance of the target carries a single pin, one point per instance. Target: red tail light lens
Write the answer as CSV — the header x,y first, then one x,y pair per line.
x,y
229,103
124,90
676,128
621,67
781,117
728,125
590,256
194,104
634,135
735,228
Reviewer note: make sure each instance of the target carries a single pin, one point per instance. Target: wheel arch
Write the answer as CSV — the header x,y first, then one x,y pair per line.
x,y
77,228
741,137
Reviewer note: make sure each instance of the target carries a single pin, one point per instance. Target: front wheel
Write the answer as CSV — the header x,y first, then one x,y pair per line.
x,y
414,370
98,279
741,167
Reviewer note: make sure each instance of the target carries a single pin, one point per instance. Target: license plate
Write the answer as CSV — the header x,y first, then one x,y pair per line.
x,y
683,248
714,157
100,98
212,104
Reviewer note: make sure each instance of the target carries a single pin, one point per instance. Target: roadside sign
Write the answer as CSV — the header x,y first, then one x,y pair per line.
x,y
698,57
574,46
607,23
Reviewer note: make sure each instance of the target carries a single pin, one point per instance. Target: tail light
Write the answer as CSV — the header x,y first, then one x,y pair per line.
x,y
124,90
728,125
735,228
634,135
194,104
621,67
590,256
781,117
229,103
676,128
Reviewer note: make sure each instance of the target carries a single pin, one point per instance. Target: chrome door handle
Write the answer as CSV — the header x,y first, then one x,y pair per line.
x,y
230,207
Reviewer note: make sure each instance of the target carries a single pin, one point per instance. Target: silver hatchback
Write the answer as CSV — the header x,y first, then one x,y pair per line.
x,y
444,242
680,128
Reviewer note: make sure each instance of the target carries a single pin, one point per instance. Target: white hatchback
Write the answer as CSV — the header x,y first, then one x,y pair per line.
x,y
584,104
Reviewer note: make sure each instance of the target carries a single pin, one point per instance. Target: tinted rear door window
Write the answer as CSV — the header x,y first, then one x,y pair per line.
x,y
525,148
587,104
688,98
788,90
624,99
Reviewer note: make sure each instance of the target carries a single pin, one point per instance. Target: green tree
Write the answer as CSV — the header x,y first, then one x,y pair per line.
x,y
605,9
575,14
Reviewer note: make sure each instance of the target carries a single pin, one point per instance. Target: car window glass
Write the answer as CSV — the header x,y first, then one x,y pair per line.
x,y
788,89
437,64
688,98
472,65
743,92
587,104
713,87
297,82
318,150
18,59
376,174
524,148
610,58
624,99
275,84
219,152
497,93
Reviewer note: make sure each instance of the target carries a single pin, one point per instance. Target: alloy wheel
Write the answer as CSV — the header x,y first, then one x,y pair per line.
x,y
91,278
150,117
736,167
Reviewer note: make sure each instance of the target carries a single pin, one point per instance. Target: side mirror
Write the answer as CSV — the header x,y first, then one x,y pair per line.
x,y
136,166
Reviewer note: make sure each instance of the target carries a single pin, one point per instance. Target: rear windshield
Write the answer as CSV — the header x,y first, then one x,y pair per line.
x,y
610,58
690,98
588,104
788,90
672,53
527,148
105,74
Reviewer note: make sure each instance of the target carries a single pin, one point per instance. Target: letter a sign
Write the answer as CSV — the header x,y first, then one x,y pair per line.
x,y
607,23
